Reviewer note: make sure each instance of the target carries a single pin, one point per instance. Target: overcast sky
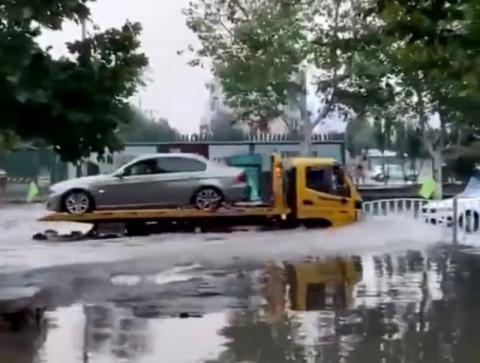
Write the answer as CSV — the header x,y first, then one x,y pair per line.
x,y
175,91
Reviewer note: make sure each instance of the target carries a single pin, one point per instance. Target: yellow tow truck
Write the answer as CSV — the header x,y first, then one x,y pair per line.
x,y
308,191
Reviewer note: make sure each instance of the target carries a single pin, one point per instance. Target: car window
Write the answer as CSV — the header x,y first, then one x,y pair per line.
x,y
143,167
179,165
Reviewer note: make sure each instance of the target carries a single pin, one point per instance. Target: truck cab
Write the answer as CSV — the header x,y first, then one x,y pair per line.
x,y
318,191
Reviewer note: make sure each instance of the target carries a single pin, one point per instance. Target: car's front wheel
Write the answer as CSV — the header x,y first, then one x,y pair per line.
x,y
207,198
77,202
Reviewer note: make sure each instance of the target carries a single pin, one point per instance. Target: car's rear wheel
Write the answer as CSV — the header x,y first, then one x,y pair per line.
x,y
77,202
207,198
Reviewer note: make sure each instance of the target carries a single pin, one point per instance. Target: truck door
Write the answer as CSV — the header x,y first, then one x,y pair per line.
x,y
325,193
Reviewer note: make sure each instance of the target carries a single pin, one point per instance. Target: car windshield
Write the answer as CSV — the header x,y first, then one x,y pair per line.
x,y
473,186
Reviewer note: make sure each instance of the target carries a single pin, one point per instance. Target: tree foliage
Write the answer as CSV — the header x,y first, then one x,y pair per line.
x,y
429,50
74,103
360,136
224,127
8,142
393,61
267,52
254,49
144,129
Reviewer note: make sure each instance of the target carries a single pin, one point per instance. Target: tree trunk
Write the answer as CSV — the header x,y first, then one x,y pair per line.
x,y
438,174
308,127
437,159
413,163
307,138
435,147
384,168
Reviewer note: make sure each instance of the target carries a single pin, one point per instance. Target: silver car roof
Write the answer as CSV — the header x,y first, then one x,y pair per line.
x,y
170,155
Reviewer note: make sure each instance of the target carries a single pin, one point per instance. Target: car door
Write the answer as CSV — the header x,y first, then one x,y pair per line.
x,y
132,187
179,178
326,195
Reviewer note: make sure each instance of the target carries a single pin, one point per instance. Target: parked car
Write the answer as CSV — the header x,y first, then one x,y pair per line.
x,y
393,172
160,180
440,212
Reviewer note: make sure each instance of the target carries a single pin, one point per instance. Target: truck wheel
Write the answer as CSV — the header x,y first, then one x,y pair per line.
x,y
207,198
77,202
469,221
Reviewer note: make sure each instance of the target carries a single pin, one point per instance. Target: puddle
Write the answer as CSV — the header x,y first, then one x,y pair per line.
x,y
377,292
406,306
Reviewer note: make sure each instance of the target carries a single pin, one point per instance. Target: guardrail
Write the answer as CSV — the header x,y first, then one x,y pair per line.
x,y
466,218
459,217
404,206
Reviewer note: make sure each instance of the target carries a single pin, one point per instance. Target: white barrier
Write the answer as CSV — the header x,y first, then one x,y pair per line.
x,y
459,217
408,207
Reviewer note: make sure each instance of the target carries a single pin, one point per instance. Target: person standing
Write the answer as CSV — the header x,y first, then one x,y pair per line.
x,y
360,167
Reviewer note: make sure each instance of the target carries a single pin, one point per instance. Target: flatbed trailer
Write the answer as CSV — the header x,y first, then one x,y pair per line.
x,y
148,221
295,200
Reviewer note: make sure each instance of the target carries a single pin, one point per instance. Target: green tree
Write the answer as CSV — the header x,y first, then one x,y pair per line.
x,y
359,136
143,129
75,103
8,142
408,141
429,49
223,127
264,53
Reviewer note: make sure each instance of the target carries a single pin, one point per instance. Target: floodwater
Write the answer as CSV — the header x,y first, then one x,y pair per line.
x,y
385,290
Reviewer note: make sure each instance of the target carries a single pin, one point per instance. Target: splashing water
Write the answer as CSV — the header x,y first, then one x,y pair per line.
x,y
382,234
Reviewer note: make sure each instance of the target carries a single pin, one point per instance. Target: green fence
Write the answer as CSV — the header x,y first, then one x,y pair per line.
x,y
28,164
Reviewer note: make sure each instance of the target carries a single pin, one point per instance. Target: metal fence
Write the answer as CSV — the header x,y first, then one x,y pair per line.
x,y
259,136
459,217
410,207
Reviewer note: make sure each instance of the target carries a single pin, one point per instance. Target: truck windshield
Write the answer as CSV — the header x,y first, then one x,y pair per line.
x,y
327,180
339,182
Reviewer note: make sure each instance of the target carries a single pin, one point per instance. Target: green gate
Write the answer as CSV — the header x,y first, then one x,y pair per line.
x,y
252,164
29,163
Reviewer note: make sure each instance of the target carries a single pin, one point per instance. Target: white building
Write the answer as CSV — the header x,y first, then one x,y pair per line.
x,y
216,110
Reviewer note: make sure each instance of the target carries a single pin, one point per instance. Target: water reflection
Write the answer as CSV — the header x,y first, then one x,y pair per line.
x,y
115,332
370,309
22,346
405,307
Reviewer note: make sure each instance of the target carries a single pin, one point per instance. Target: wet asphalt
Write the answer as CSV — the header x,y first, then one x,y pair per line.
x,y
409,296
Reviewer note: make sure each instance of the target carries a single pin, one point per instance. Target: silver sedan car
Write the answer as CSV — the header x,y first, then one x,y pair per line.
x,y
161,180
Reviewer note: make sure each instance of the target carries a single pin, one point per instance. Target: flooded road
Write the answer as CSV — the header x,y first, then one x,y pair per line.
x,y
379,291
